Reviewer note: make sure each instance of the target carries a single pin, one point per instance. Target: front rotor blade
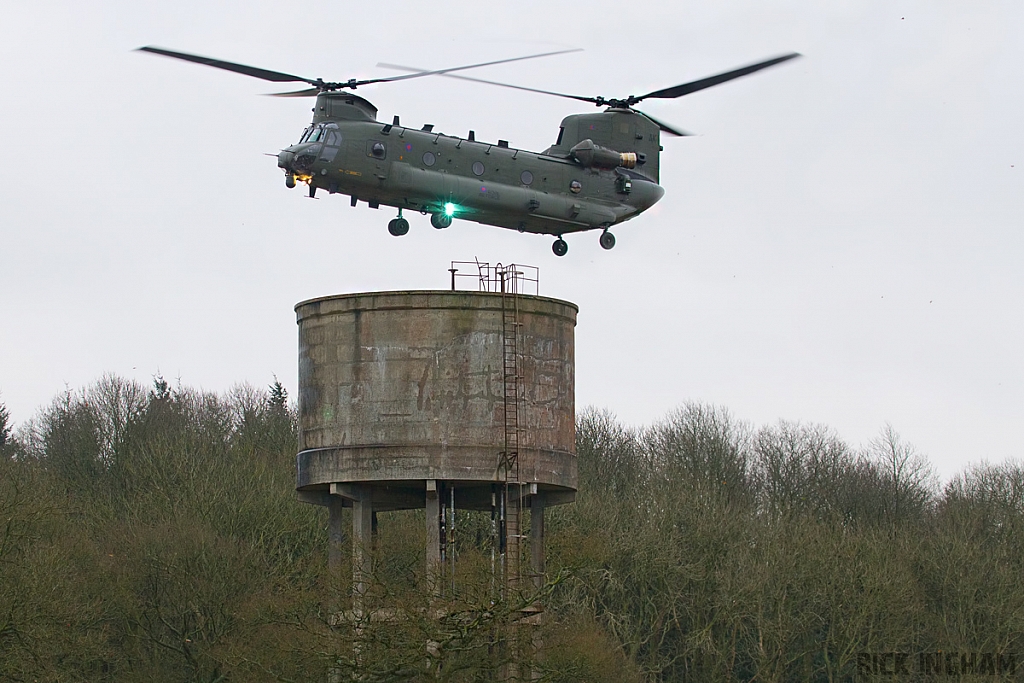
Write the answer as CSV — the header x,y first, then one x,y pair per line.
x,y
481,80
694,86
275,76
663,126
442,72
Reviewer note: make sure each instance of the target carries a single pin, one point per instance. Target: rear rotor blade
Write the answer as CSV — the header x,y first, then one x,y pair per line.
x,y
275,76
694,86
443,72
481,80
665,128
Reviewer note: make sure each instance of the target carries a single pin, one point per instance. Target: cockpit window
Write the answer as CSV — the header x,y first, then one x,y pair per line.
x,y
324,132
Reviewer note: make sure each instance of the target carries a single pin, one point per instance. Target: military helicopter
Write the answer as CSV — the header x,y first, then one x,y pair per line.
x,y
601,171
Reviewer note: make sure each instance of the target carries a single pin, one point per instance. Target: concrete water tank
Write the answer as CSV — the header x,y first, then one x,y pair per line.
x,y
401,389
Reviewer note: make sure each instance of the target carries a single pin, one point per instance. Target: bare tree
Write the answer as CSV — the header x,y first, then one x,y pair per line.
x,y
610,458
116,403
801,469
908,479
705,448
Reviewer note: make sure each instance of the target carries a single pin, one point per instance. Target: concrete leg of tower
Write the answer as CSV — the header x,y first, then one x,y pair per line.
x,y
362,535
514,505
335,533
433,514
537,539
537,569
335,552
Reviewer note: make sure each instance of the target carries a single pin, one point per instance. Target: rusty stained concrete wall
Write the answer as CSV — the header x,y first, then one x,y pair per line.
x,y
407,387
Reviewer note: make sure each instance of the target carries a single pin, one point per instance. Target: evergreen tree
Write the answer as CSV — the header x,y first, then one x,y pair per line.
x,y
161,389
6,438
278,399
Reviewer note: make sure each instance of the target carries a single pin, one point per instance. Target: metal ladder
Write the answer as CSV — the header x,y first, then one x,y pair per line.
x,y
511,519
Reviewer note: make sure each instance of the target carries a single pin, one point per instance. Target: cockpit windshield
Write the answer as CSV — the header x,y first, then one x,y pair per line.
x,y
326,133
311,134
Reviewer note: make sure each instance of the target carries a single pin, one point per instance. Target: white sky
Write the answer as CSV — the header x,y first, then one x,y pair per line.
x,y
840,244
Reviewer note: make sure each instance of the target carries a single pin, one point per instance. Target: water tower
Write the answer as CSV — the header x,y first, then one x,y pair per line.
x,y
443,400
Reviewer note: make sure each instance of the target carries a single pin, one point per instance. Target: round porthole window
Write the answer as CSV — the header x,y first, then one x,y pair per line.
x,y
526,177
575,187
478,168
377,150
429,159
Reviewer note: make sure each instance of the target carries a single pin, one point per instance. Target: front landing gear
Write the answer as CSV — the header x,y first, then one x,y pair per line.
x,y
560,247
607,240
398,226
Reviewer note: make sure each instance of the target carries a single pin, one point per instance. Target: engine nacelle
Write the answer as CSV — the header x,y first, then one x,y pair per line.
x,y
594,155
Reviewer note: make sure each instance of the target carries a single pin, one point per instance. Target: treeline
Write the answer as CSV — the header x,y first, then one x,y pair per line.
x,y
153,534
715,552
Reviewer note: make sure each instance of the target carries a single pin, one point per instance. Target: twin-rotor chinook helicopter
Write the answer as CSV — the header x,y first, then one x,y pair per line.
x,y
601,171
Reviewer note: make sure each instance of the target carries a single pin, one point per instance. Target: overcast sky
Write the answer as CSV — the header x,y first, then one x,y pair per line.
x,y
839,244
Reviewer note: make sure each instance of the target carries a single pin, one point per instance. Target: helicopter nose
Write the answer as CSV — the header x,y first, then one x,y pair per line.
x,y
285,159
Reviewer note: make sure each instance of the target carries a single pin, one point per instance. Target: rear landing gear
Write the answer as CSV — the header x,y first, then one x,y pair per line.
x,y
607,240
440,220
398,226
560,247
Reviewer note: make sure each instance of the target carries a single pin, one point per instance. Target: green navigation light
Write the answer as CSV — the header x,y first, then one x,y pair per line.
x,y
449,209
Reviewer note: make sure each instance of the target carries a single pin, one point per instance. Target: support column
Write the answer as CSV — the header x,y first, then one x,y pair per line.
x,y
362,534
335,553
537,539
335,533
537,566
514,505
433,513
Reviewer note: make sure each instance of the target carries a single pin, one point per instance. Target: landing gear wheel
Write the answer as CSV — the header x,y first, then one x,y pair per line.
x,y
398,227
560,247
607,240
440,220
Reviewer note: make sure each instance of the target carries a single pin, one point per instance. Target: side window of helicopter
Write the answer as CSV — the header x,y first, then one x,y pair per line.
x,y
315,135
478,168
429,159
332,138
526,177
376,149
305,134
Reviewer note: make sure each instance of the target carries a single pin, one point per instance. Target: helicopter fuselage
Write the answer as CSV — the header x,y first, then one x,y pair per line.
x,y
602,169
347,151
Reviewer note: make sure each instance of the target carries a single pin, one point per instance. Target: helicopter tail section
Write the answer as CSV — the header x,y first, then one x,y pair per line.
x,y
621,130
